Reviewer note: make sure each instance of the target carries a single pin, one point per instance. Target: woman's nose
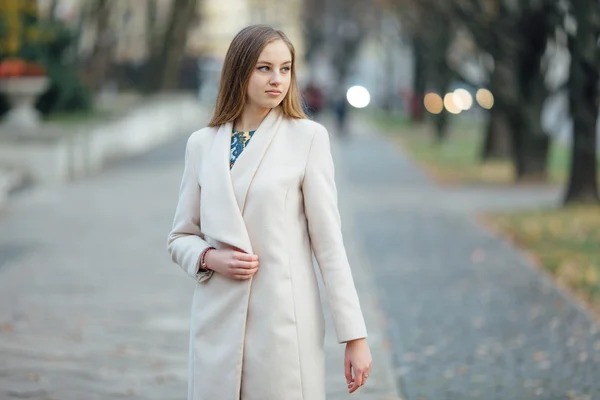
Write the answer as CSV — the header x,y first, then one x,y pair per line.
x,y
276,79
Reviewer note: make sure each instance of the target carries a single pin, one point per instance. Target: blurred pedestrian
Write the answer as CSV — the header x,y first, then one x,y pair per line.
x,y
257,197
314,98
340,110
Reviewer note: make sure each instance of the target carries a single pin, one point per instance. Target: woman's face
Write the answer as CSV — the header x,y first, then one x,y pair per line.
x,y
270,80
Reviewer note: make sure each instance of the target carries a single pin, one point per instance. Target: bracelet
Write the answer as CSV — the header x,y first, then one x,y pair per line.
x,y
203,258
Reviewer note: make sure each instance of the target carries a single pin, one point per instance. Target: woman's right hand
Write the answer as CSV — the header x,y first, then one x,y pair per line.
x,y
232,264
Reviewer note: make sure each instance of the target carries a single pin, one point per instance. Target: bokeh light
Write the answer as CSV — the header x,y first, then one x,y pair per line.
x,y
450,105
358,97
463,99
485,98
433,103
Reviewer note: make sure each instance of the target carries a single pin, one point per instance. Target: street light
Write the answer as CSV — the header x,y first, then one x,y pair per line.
x,y
358,97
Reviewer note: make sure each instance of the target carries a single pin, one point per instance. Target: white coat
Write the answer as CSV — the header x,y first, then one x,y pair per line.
x,y
262,338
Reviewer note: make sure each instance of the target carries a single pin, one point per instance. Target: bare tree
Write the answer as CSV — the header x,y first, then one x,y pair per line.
x,y
52,9
438,36
346,25
418,19
584,81
516,35
496,142
100,59
166,58
152,31
314,19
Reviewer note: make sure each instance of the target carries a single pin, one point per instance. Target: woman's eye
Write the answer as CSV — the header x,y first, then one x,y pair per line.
x,y
263,68
286,69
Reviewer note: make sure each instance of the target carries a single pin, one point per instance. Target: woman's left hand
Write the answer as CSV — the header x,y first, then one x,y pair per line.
x,y
358,362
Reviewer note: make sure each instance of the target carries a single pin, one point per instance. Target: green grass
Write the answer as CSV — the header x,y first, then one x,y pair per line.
x,y
386,122
79,117
457,160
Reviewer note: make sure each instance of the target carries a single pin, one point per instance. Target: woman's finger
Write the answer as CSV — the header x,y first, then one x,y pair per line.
x,y
244,273
246,264
366,373
347,371
245,257
358,381
241,277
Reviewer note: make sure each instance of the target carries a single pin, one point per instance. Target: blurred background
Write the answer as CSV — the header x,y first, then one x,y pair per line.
x,y
465,136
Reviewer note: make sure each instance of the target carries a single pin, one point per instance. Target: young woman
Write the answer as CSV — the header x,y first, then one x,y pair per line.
x,y
257,198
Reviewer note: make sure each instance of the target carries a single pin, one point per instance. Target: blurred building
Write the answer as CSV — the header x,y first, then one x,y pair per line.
x,y
222,19
132,34
218,22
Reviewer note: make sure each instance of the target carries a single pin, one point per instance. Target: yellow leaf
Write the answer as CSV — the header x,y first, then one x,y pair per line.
x,y
591,275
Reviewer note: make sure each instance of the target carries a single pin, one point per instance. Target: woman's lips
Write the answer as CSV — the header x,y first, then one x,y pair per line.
x,y
273,93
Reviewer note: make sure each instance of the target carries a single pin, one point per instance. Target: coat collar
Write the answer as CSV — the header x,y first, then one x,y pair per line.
x,y
224,191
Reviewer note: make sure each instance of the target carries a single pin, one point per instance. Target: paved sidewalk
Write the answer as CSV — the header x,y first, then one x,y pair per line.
x,y
10,179
91,306
468,317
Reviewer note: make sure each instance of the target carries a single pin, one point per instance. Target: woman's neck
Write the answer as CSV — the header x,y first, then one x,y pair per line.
x,y
250,119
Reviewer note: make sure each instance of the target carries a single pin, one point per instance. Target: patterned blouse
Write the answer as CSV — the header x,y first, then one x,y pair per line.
x,y
239,141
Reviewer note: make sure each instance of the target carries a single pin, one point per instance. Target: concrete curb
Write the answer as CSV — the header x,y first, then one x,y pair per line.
x,y
63,152
10,179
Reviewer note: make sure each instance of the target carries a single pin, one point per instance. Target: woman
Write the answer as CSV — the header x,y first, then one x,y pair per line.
x,y
245,225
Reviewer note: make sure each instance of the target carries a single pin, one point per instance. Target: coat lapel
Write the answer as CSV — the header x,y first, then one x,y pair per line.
x,y
224,191
220,215
247,164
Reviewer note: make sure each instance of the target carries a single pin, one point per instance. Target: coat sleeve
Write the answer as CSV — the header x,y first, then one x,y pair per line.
x,y
324,225
186,242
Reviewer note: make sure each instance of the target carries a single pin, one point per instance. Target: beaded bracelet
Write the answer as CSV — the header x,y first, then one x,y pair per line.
x,y
203,258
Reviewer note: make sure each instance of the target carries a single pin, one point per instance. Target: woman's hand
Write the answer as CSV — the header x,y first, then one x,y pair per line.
x,y
232,264
358,361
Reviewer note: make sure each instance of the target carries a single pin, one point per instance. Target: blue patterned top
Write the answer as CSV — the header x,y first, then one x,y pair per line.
x,y
239,141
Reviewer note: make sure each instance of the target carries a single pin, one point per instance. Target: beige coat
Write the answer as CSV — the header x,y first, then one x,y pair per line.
x,y
262,339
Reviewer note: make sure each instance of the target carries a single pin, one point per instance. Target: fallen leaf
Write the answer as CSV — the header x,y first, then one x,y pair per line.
x,y
33,377
478,256
430,350
7,328
478,322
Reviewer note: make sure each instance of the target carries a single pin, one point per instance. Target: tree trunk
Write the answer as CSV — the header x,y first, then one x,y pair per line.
x,y
496,144
532,159
151,29
417,108
313,17
583,178
530,144
167,65
442,81
522,92
530,147
99,62
441,126
583,99
52,10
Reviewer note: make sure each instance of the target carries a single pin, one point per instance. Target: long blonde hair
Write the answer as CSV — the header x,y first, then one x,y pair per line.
x,y
240,60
